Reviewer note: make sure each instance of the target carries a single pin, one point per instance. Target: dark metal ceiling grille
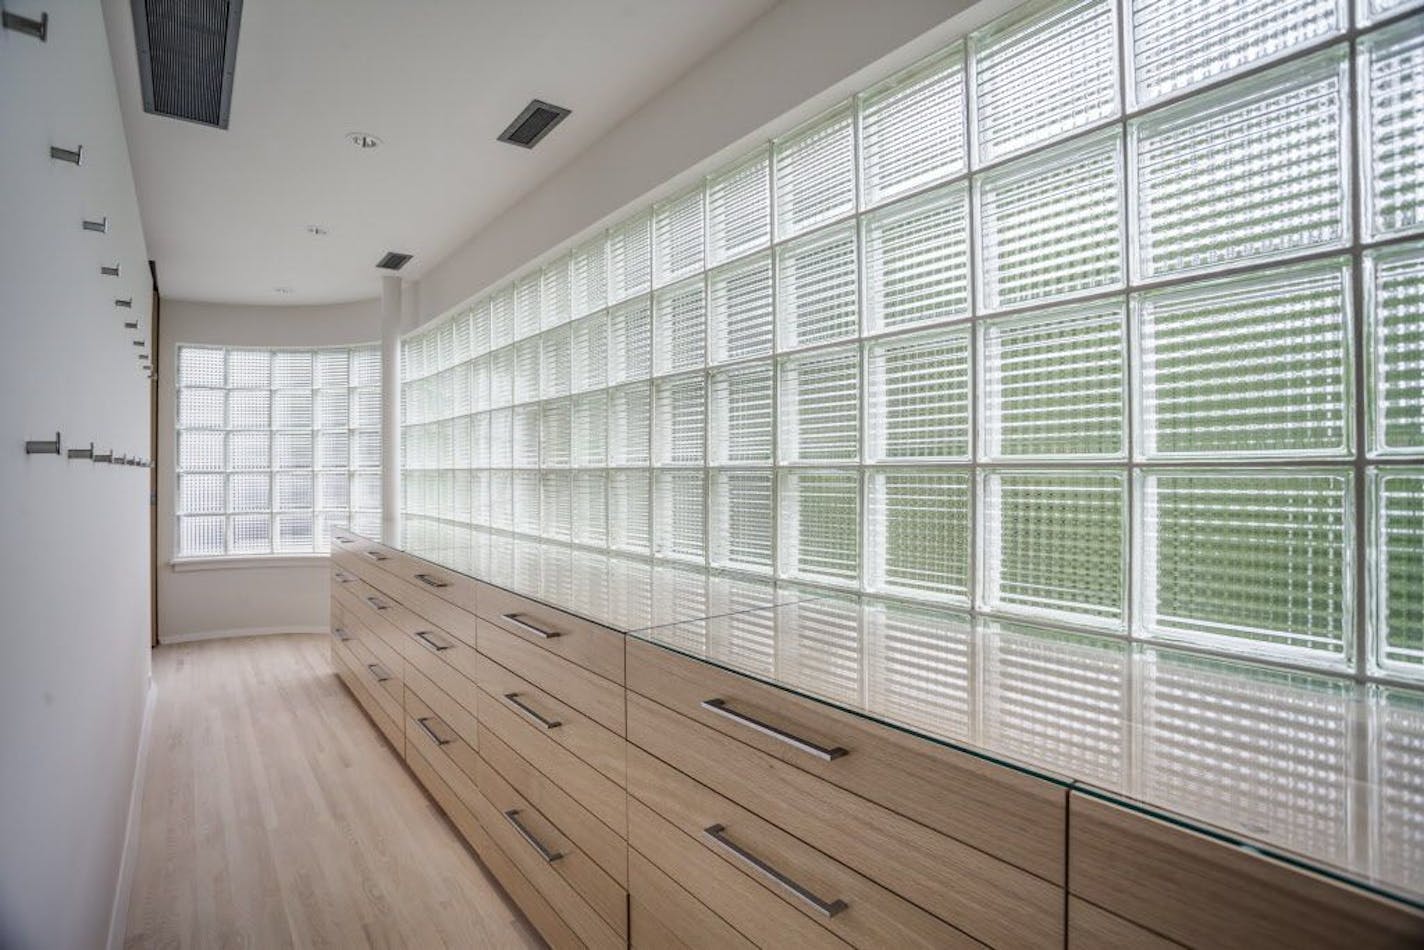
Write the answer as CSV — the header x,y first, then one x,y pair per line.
x,y
393,260
535,122
187,53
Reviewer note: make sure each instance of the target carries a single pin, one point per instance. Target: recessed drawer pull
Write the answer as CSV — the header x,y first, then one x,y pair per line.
x,y
512,816
376,556
424,723
379,672
529,713
719,706
429,581
343,578
376,602
537,631
717,835
431,641
341,634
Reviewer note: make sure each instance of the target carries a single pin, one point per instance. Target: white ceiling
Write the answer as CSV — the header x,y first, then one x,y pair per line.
x,y
225,213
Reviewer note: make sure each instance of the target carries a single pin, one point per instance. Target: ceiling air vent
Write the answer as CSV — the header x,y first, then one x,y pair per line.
x,y
394,260
187,53
531,125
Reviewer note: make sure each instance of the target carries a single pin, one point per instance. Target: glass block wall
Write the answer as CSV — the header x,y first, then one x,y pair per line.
x,y
1109,316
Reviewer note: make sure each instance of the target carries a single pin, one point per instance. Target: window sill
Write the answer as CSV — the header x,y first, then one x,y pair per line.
x,y
184,565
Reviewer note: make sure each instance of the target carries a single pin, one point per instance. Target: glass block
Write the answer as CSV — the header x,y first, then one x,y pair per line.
x,y
293,491
333,368
681,530
630,261
201,536
917,260
681,406
332,410
249,450
502,500
677,237
445,344
480,383
554,376
250,534
464,350
526,436
742,520
480,450
366,491
527,306
333,450
1054,544
815,174
366,449
918,400
555,506
200,366
1050,226
742,415
816,280
200,494
917,542
630,342
680,327
527,356
1174,47
502,438
554,434
366,366
480,499
200,450
1396,569
629,424
1041,73
480,329
295,533
502,378
589,276
588,492
629,511
819,406
820,525
1394,347
292,369
249,409
739,209
252,369
912,128
1054,383
922,675
740,309
502,317
1248,559
292,450
1199,166
461,384
525,502
333,491
1392,128
1372,11
292,409
1254,366
589,353
554,293
200,408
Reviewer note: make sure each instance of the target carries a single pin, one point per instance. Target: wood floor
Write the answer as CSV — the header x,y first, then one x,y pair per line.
x,y
275,815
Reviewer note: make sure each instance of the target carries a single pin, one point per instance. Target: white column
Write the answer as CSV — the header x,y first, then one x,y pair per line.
x,y
391,323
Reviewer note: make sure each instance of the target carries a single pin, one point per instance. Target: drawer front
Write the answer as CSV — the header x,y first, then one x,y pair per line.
x,y
987,898
1092,928
429,655
447,585
1203,892
415,630
589,645
596,697
382,682
1013,816
377,709
441,723
857,910
594,790
662,915
460,623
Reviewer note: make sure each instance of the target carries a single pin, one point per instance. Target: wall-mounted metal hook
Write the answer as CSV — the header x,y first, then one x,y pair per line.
x,y
126,303
99,227
102,457
74,156
130,324
109,271
29,26
44,447
82,453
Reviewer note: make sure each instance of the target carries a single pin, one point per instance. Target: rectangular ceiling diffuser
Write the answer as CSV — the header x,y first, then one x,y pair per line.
x,y
187,55
535,122
393,260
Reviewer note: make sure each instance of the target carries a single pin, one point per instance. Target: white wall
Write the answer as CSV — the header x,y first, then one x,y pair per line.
x,y
260,596
74,559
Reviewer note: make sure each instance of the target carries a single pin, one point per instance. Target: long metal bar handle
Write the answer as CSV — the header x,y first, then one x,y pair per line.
x,y
512,816
720,707
342,578
376,602
530,713
430,581
424,723
537,631
427,639
379,672
377,556
341,634
717,835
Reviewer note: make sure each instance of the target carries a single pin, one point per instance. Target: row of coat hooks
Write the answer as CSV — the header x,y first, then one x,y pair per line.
x,y
55,447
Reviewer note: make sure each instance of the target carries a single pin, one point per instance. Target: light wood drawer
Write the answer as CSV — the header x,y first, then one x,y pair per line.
x,y
428,654
1203,892
383,683
346,565
590,787
368,699
445,584
589,645
539,911
1013,816
596,697
1092,928
415,630
437,721
987,898
662,915
454,620
857,910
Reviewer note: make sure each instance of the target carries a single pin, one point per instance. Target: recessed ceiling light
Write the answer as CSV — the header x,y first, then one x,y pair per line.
x,y
316,230
282,290
362,139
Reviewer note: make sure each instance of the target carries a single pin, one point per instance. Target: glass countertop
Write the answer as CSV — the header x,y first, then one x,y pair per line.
x,y
1317,770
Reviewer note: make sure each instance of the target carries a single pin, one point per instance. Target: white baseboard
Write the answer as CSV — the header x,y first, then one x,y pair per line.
x,y
119,913
243,632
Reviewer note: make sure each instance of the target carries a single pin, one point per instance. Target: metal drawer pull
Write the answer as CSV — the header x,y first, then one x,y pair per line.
x,y
341,634
429,581
719,706
512,816
376,556
376,602
379,672
424,723
428,639
717,835
537,631
343,578
514,700
341,540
